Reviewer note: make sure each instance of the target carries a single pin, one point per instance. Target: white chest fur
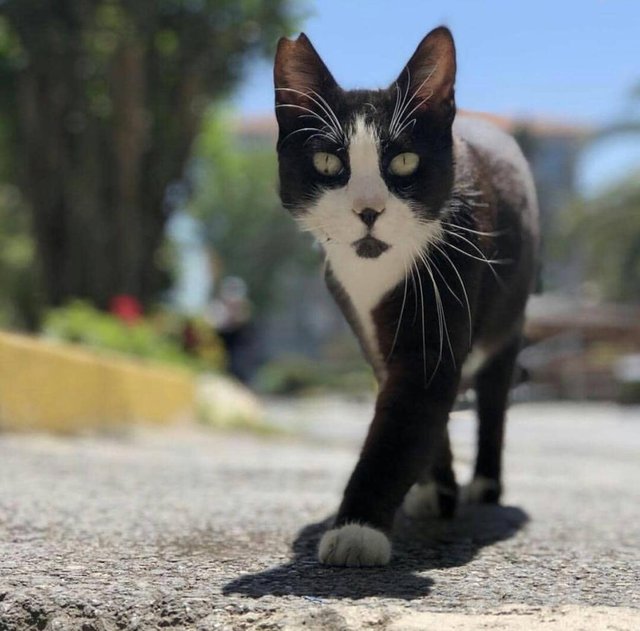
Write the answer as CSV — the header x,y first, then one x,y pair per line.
x,y
366,282
333,221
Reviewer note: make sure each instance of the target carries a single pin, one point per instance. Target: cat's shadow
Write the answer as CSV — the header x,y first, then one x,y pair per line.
x,y
418,547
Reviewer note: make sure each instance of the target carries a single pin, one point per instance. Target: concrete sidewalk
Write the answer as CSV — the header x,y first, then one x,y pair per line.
x,y
188,529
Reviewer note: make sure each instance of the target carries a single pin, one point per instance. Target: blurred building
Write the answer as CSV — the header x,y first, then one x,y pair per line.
x,y
577,348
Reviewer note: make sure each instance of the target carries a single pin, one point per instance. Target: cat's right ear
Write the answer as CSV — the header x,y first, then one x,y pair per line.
x,y
300,76
428,79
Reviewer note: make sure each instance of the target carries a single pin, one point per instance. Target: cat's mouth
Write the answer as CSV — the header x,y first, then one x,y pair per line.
x,y
369,247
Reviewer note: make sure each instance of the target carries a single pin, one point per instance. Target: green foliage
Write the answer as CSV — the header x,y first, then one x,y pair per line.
x,y
236,199
605,230
156,339
608,228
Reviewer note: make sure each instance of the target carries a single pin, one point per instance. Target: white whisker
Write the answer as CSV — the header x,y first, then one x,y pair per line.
x,y
439,311
415,296
424,340
404,300
478,232
464,289
481,259
489,262
439,301
403,116
311,114
332,122
298,131
395,108
404,99
478,250
411,122
320,135
464,191
444,280
332,115
412,111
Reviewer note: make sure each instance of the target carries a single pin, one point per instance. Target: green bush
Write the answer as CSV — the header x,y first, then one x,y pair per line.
x,y
156,339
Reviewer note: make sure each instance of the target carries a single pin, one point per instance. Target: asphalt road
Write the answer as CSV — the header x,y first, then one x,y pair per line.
x,y
185,528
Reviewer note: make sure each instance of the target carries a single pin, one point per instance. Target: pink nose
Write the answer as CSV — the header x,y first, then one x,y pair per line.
x,y
374,202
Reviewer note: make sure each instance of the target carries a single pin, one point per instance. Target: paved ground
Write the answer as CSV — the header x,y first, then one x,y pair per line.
x,y
189,529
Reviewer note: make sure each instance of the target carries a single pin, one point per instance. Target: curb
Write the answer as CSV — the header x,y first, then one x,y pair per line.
x,y
61,388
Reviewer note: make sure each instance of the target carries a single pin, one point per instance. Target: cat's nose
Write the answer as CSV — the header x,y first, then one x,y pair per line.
x,y
368,216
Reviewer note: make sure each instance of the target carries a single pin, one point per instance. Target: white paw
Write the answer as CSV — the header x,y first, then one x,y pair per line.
x,y
474,492
353,545
422,501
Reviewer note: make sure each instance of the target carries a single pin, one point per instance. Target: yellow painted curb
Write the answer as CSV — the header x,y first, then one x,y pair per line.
x,y
58,387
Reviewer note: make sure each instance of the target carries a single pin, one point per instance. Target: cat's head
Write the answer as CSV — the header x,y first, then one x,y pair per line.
x,y
366,170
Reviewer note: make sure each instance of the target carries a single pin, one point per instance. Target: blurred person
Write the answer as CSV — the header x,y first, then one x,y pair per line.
x,y
231,315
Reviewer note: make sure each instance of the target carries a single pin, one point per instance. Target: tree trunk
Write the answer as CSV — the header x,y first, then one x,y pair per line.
x,y
98,206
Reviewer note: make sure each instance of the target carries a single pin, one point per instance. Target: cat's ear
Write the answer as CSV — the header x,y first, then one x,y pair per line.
x,y
299,76
429,77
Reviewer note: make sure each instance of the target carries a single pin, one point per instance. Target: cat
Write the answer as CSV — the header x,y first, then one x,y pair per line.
x,y
428,222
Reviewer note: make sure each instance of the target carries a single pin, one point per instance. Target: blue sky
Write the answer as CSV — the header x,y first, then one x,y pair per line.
x,y
567,60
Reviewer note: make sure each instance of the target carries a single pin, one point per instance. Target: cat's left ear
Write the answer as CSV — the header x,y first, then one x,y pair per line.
x,y
430,75
301,78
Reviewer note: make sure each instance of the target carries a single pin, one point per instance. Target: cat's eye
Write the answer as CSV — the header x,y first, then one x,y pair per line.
x,y
327,163
404,164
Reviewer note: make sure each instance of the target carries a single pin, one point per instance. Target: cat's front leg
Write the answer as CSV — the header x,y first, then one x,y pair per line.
x,y
407,427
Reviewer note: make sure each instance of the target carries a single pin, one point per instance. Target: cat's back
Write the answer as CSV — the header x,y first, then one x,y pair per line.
x,y
502,161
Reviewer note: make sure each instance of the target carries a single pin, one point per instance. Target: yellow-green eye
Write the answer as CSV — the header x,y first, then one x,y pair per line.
x,y
404,164
327,163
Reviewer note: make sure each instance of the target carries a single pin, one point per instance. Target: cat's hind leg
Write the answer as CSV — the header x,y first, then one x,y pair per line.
x,y
492,382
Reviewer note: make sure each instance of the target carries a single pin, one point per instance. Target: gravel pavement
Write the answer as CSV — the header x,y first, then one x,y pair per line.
x,y
190,529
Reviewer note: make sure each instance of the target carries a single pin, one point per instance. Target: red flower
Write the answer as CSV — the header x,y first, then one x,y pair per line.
x,y
126,307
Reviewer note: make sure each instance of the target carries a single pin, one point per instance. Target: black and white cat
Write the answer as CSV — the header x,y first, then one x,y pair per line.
x,y
429,228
